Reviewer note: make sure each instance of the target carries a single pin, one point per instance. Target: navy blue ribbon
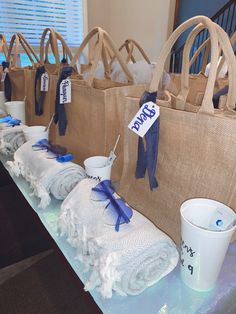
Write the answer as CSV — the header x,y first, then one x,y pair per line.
x,y
60,112
10,121
216,96
7,81
105,192
147,159
37,86
57,152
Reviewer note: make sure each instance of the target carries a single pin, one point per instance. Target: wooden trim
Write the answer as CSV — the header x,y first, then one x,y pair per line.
x,y
177,7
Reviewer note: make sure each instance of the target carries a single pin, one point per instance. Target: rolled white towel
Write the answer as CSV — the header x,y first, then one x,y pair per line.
x,y
46,176
127,261
11,138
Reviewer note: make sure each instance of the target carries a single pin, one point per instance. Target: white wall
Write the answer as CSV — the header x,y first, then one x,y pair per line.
x,y
98,13
149,22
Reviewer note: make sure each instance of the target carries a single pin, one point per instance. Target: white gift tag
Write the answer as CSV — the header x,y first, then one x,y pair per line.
x,y
65,91
44,82
3,76
144,118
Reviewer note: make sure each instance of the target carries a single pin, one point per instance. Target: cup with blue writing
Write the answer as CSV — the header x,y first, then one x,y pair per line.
x,y
207,227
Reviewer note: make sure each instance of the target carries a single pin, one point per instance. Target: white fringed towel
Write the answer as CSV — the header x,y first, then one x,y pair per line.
x,y
46,176
11,138
128,261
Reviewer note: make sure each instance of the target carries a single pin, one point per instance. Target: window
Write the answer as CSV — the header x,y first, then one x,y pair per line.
x,y
31,17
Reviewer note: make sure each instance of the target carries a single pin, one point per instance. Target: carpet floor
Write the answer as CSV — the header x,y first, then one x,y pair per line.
x,y
45,288
5,178
20,236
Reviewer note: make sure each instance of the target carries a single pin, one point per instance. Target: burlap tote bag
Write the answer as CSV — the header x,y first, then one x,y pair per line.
x,y
197,82
196,152
41,108
17,83
90,124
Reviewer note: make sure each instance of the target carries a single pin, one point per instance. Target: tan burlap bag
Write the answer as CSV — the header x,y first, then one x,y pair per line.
x,y
21,77
196,153
47,98
96,114
197,82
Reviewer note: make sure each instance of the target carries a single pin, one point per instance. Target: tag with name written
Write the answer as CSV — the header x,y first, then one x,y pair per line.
x,y
144,118
65,91
44,82
3,76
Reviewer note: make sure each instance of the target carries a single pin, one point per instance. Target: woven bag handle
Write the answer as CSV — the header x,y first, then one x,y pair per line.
x,y
130,44
27,46
105,56
14,43
103,39
205,44
207,104
17,40
233,42
223,41
66,49
3,45
54,46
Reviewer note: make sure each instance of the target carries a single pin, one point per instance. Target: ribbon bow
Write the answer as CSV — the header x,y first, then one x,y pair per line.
x,y
39,101
60,112
118,209
10,121
55,151
7,81
147,157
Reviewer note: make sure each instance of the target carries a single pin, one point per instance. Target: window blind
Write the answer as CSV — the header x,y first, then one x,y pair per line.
x,y
31,17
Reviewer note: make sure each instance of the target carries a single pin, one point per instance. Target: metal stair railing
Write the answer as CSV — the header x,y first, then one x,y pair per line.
x,y
226,18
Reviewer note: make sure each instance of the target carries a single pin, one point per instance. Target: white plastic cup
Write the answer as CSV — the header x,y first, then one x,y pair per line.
x,y
16,109
2,103
35,133
203,245
95,168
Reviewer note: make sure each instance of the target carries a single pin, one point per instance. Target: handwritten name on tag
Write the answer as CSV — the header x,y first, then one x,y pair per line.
x,y
44,82
3,76
65,91
144,118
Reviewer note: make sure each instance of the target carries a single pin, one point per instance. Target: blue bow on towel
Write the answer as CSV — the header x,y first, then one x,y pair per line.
x,y
147,159
5,119
56,151
10,121
14,122
118,209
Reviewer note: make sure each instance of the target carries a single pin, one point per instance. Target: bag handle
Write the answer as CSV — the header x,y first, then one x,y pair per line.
x,y
112,47
17,40
66,50
105,56
224,42
205,44
54,46
233,42
26,44
103,39
130,44
3,45
207,104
